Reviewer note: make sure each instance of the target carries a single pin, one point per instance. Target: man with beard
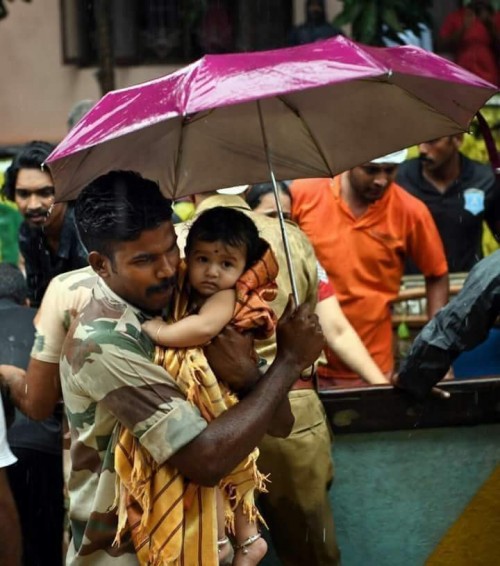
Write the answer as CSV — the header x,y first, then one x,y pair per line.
x,y
459,192
362,226
48,239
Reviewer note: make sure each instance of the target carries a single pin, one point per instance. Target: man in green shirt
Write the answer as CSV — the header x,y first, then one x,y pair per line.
x,y
10,221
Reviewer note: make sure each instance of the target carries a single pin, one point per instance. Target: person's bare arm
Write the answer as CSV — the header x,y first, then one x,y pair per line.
x,y
196,329
437,293
10,531
36,391
345,342
232,436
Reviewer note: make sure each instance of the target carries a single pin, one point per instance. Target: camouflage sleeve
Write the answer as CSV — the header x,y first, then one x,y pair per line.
x,y
113,369
50,332
64,298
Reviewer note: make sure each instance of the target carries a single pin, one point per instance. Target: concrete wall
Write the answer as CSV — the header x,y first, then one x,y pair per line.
x,y
37,89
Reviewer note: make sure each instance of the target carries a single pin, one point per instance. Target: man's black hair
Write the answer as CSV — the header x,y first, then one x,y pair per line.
x,y
12,284
229,226
118,207
255,193
30,156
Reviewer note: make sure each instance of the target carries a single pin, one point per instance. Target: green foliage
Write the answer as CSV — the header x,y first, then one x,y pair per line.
x,y
474,146
370,20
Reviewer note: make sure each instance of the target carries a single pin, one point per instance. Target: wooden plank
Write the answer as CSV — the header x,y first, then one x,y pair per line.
x,y
370,409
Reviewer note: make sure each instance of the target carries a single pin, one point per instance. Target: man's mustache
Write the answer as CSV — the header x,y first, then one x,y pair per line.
x,y
165,285
39,212
425,159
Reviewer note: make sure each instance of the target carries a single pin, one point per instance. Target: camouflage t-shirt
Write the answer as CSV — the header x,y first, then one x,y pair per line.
x,y
107,377
64,299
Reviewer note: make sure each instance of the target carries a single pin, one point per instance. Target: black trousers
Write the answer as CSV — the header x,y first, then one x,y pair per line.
x,y
36,481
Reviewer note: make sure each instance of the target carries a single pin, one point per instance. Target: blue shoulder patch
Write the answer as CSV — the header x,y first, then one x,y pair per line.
x,y
474,201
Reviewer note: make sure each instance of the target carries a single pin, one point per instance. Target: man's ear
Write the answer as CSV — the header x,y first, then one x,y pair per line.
x,y
458,140
100,263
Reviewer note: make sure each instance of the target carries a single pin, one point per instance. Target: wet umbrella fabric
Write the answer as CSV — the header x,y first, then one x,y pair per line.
x,y
321,108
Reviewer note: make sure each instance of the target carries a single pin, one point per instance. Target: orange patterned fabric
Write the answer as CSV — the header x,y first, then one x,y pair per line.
x,y
172,522
254,290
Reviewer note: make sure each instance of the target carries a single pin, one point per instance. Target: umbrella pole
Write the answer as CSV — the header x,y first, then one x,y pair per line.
x,y
281,219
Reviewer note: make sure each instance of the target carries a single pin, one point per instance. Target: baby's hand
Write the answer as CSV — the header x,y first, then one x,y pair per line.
x,y
152,327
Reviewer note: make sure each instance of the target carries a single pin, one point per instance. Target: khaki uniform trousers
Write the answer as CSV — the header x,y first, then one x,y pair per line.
x,y
297,508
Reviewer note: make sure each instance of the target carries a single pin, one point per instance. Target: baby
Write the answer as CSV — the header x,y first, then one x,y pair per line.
x,y
227,277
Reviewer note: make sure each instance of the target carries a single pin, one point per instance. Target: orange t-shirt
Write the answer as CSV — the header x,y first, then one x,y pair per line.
x,y
364,257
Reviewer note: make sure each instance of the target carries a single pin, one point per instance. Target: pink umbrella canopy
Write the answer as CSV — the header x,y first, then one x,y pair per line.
x,y
312,111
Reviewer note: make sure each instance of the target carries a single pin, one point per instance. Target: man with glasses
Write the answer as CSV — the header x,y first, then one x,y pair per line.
x,y
362,226
460,194
48,240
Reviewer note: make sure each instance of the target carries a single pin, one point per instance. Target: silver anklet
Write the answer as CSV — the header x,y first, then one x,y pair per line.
x,y
222,542
250,540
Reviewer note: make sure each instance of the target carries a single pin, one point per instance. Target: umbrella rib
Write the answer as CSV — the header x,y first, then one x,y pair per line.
x,y
178,157
286,243
390,80
309,131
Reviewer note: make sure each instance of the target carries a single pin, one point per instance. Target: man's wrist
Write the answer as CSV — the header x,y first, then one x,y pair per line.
x,y
288,359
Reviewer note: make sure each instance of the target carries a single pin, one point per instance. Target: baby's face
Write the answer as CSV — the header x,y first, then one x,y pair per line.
x,y
214,266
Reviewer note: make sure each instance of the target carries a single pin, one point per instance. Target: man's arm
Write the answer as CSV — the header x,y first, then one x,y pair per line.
x,y
446,335
231,437
36,391
233,360
344,341
10,531
437,293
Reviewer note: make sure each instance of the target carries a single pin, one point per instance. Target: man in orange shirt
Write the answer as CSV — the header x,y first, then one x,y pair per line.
x,y
362,226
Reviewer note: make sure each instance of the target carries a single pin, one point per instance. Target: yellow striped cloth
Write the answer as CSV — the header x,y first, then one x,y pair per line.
x,y
172,521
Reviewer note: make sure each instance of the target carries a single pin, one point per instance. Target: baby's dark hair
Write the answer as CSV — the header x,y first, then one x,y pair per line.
x,y
229,226
117,207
